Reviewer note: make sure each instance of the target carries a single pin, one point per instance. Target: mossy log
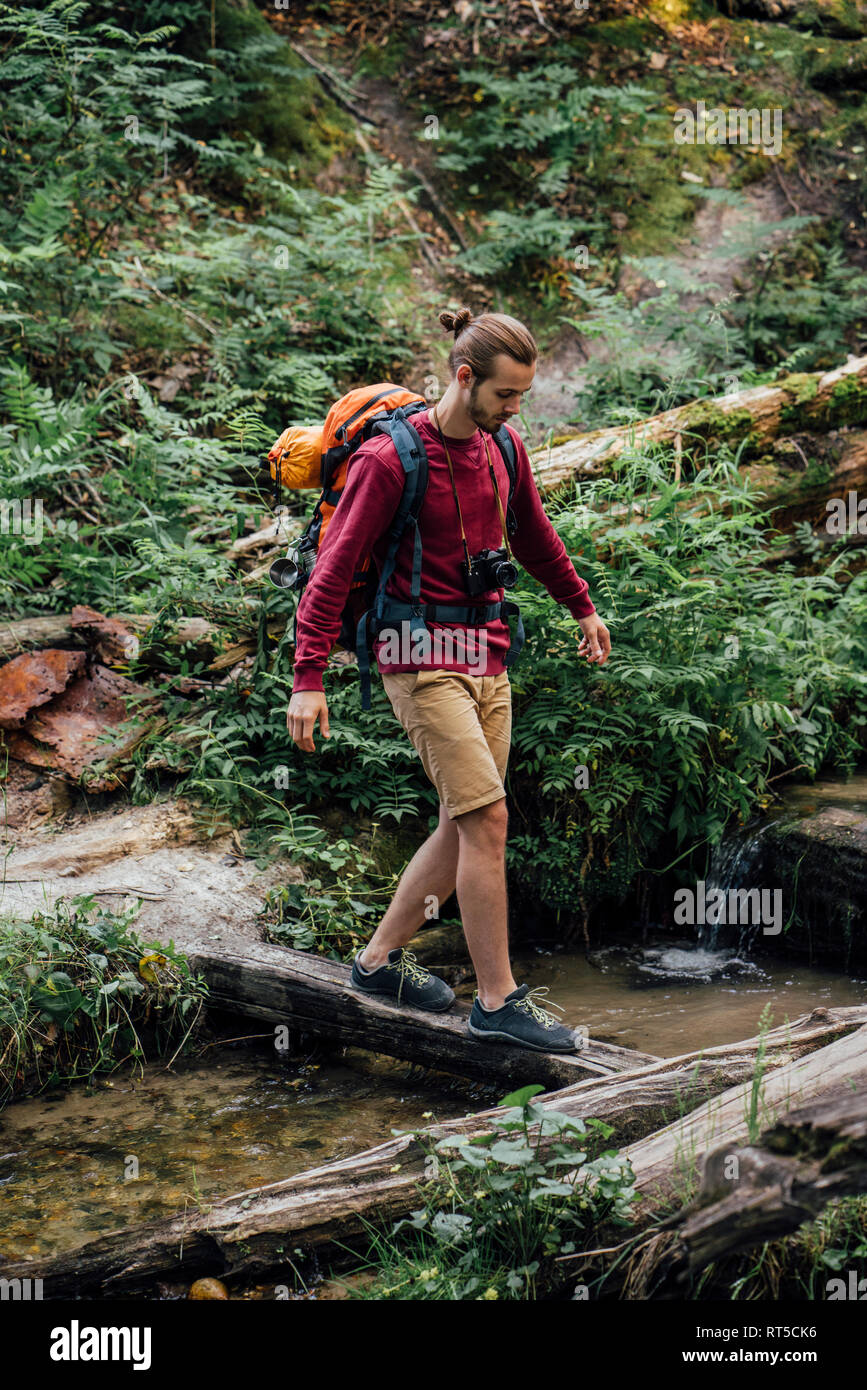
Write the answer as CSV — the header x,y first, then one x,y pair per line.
x,y
202,638
248,1233
668,1164
754,418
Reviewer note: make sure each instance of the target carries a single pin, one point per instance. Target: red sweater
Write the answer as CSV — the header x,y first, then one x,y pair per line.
x,y
370,498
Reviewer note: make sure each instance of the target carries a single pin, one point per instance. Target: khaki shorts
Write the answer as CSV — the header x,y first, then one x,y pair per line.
x,y
461,727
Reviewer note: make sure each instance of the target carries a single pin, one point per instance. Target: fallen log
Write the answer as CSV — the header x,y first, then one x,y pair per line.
x,y
249,1232
311,994
809,1157
667,1165
59,630
753,417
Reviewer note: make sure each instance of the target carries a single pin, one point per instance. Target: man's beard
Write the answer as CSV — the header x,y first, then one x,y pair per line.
x,y
489,423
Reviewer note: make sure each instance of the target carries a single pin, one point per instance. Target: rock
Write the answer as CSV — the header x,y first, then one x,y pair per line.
x,y
208,1288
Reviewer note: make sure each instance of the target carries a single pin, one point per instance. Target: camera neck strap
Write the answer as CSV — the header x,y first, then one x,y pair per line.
x,y
432,416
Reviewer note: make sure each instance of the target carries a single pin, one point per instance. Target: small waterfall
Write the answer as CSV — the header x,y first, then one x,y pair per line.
x,y
736,867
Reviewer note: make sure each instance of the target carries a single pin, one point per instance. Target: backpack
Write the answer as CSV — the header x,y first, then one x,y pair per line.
x,y
319,456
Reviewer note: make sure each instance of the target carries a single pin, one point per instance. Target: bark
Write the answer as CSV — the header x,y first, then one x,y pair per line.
x,y
249,1232
668,1164
56,630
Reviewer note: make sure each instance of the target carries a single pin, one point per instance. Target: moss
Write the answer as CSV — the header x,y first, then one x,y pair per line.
x,y
630,33
844,19
707,419
848,402
801,388
843,66
388,61
283,106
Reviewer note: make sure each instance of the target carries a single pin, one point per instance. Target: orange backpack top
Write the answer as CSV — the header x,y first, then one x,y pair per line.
x,y
318,455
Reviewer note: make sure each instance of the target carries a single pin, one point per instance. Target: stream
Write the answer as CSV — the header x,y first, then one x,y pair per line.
x,y
130,1148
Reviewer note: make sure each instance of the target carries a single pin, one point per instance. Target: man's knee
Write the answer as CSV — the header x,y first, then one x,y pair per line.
x,y
489,822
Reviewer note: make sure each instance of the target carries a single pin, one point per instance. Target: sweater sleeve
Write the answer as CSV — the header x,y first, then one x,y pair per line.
x,y
538,547
364,512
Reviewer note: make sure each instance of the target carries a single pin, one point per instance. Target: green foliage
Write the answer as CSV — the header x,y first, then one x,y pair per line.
x,y
333,916
534,131
671,346
500,1207
81,994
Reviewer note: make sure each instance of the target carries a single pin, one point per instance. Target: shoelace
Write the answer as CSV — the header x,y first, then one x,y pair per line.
x,y
408,965
535,1010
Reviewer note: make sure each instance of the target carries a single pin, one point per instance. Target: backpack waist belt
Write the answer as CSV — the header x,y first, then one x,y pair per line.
x,y
475,615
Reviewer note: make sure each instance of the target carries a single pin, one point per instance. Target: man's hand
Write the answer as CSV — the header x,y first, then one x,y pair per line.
x,y
304,710
595,643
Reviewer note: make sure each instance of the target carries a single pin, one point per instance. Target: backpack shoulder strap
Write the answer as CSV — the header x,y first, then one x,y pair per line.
x,y
506,445
413,457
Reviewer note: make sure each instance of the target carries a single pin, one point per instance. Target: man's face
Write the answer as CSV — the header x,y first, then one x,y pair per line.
x,y
491,402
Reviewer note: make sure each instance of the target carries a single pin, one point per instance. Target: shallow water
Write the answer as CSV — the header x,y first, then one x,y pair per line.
x,y
808,798
674,998
242,1118
209,1128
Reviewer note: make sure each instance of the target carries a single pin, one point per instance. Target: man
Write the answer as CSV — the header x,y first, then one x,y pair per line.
x,y
455,707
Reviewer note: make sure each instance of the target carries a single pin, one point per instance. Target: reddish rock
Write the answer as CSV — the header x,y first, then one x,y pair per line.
x,y
33,679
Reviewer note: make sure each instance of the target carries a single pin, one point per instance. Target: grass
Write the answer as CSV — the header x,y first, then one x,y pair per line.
x,y
81,994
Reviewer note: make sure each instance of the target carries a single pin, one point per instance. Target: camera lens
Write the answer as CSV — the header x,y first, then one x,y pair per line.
x,y
506,574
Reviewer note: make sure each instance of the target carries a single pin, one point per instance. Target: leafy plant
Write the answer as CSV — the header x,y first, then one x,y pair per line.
x,y
81,994
502,1206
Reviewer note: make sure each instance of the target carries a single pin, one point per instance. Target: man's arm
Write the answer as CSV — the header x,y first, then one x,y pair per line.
x,y
540,550
366,508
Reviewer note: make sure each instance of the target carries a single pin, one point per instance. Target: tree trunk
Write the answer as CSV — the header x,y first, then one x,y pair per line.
x,y
56,630
667,1164
311,994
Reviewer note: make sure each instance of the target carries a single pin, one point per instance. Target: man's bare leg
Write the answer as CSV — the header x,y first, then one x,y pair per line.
x,y
431,872
481,885
469,853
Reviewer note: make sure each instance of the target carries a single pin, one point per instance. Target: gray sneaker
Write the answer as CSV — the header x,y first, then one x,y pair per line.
x,y
523,1021
405,980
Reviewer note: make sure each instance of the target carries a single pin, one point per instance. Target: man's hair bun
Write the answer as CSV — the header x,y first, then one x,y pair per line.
x,y
456,323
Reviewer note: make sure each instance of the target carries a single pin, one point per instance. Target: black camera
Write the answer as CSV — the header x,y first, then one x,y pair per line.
x,y
294,569
490,569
